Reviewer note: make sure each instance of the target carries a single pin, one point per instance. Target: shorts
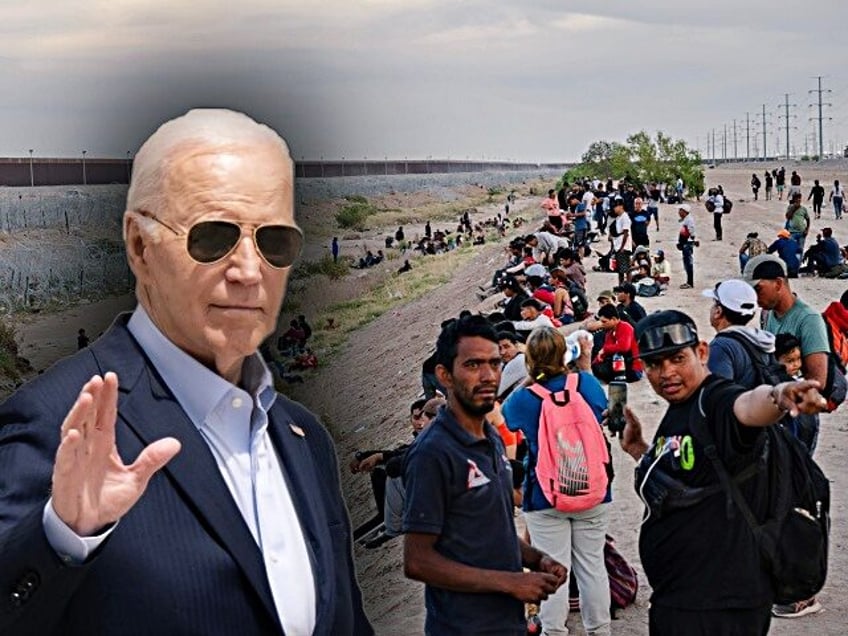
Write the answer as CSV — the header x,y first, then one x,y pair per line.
x,y
654,212
622,261
780,188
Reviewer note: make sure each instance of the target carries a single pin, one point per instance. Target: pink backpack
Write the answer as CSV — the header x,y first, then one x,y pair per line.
x,y
573,457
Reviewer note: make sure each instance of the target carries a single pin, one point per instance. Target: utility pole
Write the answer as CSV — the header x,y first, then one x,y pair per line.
x,y
765,154
747,136
786,119
821,137
735,148
724,144
713,146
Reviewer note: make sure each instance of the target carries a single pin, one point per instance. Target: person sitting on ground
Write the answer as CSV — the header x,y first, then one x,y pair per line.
x,y
572,268
619,339
787,250
661,269
563,308
752,246
641,266
532,316
626,296
373,462
824,257
293,340
514,295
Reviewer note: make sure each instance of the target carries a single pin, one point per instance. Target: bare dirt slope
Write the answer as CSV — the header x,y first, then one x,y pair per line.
x,y
364,396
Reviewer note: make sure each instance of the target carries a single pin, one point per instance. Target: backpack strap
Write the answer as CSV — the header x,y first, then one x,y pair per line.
x,y
560,398
698,427
753,354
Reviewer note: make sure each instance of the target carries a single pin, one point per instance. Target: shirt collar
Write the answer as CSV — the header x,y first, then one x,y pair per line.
x,y
448,422
197,388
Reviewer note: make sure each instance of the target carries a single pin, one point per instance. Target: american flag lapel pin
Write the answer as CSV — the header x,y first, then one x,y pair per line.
x,y
296,430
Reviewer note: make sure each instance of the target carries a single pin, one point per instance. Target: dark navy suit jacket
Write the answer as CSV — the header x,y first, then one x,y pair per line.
x,y
182,560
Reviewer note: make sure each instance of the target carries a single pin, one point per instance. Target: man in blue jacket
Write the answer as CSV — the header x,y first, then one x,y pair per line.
x,y
156,483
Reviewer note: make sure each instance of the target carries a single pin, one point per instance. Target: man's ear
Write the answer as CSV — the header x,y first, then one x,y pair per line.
x,y
136,243
444,376
702,350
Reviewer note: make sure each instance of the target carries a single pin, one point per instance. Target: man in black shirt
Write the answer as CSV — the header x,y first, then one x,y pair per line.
x,y
817,195
702,565
628,308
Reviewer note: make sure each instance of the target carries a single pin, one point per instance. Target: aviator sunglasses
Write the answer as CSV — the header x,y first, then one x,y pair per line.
x,y
208,242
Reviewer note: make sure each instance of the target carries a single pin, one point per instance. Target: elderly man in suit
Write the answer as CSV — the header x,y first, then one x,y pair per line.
x,y
155,483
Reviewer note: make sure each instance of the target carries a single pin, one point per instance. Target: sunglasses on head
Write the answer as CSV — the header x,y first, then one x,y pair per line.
x,y
676,335
208,242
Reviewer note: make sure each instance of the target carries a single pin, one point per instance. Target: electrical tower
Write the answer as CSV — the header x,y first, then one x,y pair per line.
x,y
786,105
820,118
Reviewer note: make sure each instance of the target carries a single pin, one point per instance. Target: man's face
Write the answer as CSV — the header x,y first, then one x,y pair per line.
x,y
472,383
676,376
768,293
637,205
603,300
507,349
622,297
218,313
529,313
682,214
419,419
608,324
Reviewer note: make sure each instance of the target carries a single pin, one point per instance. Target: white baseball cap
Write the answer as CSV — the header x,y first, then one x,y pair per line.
x,y
735,295
685,207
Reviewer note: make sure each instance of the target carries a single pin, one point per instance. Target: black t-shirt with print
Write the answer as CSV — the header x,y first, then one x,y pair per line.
x,y
697,558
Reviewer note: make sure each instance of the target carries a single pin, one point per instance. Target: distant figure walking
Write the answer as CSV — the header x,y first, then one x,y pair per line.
x,y
817,195
769,185
755,185
335,249
82,339
837,196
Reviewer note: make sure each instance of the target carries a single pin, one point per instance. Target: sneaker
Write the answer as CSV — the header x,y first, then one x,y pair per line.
x,y
686,286
796,609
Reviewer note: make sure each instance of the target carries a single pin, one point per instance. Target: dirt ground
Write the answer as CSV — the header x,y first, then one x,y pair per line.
x,y
364,394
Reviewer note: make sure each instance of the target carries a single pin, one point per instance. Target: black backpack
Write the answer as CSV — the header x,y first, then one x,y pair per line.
x,y
728,205
793,538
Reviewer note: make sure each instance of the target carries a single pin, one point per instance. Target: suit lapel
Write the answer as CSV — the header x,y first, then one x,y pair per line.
x,y
302,478
149,409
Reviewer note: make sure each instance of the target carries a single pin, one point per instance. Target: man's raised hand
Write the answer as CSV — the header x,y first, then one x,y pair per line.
x,y
92,487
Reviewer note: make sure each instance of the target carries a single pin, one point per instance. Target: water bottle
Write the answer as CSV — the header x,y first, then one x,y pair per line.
x,y
534,623
613,264
618,366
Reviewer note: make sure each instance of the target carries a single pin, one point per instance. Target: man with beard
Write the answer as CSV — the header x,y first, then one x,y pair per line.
x,y
458,518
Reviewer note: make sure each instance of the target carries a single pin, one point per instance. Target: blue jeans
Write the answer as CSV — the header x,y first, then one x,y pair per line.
x,y
743,260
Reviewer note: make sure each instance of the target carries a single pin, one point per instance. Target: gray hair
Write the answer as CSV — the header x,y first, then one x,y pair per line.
x,y
198,128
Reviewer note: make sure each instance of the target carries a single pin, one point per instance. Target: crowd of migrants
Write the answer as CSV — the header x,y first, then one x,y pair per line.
x,y
479,427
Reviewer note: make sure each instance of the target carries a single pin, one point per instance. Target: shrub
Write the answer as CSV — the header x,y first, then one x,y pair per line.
x,y
354,215
323,267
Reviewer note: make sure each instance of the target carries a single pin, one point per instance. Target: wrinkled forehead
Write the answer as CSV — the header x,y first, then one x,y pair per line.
x,y
251,178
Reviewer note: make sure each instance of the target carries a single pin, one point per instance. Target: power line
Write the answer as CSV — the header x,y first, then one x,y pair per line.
x,y
820,103
785,117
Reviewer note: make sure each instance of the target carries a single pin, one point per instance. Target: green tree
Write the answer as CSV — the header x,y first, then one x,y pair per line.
x,y
643,159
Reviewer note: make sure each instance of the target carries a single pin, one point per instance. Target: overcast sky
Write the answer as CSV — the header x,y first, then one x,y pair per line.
x,y
529,80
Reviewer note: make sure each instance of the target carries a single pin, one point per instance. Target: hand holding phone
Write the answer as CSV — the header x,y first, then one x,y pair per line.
x,y
615,410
